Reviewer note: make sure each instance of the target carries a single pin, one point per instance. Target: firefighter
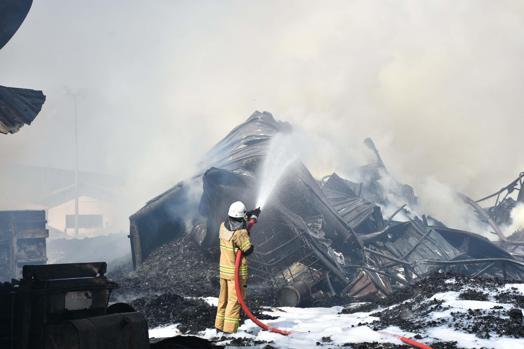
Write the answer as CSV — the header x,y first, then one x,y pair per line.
x,y
233,235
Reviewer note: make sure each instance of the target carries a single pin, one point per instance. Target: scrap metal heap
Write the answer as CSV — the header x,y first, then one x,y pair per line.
x,y
315,238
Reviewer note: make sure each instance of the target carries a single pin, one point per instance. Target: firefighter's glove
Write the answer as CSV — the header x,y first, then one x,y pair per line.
x,y
254,214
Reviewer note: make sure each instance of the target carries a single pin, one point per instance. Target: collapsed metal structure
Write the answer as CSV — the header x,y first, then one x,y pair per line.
x,y
326,237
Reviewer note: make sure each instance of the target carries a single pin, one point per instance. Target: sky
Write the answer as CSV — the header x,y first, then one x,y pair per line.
x,y
438,85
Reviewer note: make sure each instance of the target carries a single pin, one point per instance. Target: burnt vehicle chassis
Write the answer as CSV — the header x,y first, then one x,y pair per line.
x,y
315,238
63,306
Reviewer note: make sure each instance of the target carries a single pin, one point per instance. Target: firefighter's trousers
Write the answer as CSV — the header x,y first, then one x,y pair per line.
x,y
228,309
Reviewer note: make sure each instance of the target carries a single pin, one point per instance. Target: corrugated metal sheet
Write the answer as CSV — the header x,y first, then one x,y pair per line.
x,y
355,210
18,107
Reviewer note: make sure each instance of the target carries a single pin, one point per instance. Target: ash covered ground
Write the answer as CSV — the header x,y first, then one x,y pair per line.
x,y
444,311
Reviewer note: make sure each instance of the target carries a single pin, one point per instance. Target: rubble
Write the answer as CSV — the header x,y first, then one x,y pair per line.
x,y
183,342
194,314
178,267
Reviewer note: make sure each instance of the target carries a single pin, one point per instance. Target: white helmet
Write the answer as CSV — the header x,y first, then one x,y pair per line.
x,y
237,210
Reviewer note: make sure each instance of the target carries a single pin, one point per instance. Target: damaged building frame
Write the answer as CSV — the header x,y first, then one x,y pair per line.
x,y
316,238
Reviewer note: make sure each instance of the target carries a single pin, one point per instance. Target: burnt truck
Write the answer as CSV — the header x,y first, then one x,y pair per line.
x,y
65,306
23,237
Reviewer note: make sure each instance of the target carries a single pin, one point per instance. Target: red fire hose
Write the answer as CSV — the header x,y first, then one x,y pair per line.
x,y
243,304
414,343
265,327
407,340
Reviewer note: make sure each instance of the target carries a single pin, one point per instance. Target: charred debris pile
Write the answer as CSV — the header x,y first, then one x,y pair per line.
x,y
317,239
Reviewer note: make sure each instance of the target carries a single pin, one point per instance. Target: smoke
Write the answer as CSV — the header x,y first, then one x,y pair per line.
x,y
517,220
436,84
443,203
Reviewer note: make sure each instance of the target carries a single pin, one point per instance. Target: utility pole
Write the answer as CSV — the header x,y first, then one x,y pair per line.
x,y
76,165
74,95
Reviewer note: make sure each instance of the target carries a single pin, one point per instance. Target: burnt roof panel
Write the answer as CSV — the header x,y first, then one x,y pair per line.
x,y
18,107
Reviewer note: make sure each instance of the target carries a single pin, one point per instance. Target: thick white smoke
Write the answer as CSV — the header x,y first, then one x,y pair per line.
x,y
517,220
443,202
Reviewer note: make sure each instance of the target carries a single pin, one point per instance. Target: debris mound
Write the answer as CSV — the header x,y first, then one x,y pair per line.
x,y
473,295
179,267
192,314
183,342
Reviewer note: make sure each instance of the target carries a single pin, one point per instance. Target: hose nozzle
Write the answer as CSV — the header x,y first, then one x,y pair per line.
x,y
254,213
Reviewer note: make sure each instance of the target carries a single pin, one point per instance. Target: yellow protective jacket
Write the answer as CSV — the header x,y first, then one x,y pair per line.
x,y
230,242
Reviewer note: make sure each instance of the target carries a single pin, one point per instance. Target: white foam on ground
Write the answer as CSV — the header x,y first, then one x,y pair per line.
x,y
468,340
164,331
518,287
309,325
451,299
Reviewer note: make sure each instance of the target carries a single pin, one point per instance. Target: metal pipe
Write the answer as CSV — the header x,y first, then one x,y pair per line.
x,y
330,285
395,213
417,244
387,257
483,270
335,214
394,277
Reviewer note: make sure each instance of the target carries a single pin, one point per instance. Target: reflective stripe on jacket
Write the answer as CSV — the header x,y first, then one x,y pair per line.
x,y
230,242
